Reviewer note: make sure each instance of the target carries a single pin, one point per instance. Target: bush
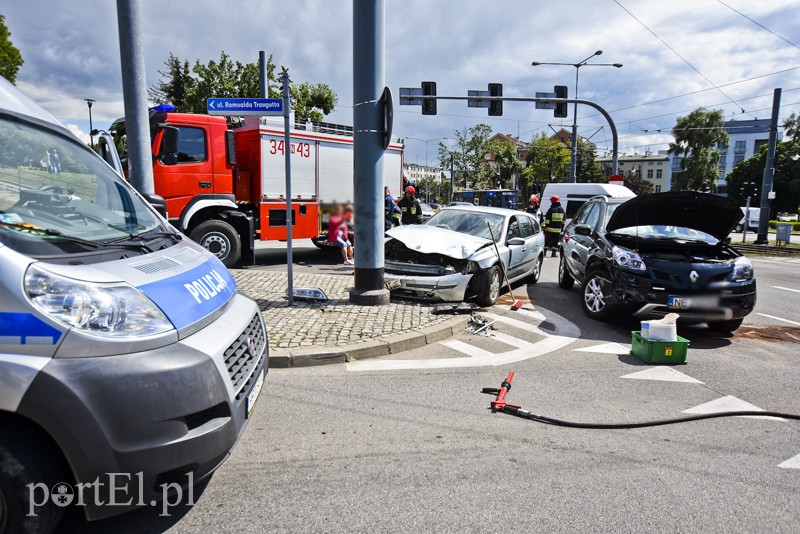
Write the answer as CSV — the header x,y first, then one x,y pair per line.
x,y
795,225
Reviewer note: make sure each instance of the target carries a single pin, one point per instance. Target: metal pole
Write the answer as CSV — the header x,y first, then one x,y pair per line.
x,y
91,127
451,178
769,171
134,90
746,219
287,154
262,71
573,164
368,132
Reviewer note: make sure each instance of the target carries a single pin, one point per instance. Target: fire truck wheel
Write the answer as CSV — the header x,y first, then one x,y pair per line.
x,y
220,239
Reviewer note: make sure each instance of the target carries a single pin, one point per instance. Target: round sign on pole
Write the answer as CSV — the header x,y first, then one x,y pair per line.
x,y
616,179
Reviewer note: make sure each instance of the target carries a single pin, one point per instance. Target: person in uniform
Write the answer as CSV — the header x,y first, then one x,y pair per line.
x,y
553,224
410,208
533,206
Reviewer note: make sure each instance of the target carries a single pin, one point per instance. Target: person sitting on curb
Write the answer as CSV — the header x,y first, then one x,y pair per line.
x,y
338,233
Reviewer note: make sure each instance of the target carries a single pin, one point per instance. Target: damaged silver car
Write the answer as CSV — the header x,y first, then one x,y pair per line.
x,y
451,257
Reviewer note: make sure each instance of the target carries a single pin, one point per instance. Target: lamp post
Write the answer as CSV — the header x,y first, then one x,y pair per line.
x,y
89,102
573,166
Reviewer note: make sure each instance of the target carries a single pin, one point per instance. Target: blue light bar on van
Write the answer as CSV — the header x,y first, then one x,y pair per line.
x,y
169,108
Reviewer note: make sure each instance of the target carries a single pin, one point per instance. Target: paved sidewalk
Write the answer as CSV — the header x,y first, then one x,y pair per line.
x,y
336,331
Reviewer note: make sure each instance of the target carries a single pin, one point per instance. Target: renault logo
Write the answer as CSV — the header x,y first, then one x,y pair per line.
x,y
694,277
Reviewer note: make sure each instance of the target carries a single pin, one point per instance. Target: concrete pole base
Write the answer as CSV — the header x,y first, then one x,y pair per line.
x,y
371,297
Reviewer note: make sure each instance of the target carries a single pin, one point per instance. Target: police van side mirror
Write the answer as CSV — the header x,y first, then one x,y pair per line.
x,y
168,152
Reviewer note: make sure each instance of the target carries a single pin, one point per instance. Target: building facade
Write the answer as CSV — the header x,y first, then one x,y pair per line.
x,y
656,168
745,138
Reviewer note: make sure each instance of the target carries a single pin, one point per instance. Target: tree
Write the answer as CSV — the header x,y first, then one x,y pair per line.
x,y
791,128
587,169
697,137
10,56
506,164
176,83
548,162
469,155
785,182
636,183
189,90
312,101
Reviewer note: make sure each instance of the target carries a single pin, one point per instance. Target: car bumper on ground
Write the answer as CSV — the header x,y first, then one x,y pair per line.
x,y
165,416
447,288
724,302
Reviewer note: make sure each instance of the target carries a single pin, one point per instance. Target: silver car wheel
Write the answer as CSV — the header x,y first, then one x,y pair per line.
x,y
593,296
494,286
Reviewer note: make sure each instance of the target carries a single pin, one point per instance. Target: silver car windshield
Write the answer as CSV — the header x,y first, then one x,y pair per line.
x,y
53,189
468,222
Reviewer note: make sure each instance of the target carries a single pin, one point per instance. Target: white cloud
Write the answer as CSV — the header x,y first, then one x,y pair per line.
x,y
83,136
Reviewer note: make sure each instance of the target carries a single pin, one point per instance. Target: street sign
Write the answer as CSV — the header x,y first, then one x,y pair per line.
x,y
245,106
616,179
474,99
543,105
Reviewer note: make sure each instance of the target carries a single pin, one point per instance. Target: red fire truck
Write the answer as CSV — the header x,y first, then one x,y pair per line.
x,y
225,187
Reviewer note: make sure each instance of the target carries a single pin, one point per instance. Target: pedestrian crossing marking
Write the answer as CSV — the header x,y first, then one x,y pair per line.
x,y
791,463
607,348
665,374
729,403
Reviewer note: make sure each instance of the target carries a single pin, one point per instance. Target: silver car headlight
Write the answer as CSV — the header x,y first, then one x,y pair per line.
x,y
628,259
742,269
114,310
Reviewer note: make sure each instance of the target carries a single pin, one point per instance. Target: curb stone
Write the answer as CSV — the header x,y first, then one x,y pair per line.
x,y
283,358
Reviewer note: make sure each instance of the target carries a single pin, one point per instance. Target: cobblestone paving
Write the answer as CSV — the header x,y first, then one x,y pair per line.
x,y
335,322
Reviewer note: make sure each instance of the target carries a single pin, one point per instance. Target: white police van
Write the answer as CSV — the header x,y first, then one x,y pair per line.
x,y
125,349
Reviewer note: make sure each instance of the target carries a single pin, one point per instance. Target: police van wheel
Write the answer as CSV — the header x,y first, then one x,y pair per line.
x,y
220,239
25,462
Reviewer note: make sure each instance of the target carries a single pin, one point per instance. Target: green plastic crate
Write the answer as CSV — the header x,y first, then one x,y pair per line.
x,y
651,351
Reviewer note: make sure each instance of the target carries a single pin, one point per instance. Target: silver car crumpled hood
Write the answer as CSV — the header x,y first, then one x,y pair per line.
x,y
433,240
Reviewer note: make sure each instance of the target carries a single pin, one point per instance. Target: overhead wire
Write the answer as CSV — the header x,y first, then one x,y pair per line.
x,y
779,36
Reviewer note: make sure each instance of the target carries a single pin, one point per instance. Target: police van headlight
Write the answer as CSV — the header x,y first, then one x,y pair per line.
x,y
115,310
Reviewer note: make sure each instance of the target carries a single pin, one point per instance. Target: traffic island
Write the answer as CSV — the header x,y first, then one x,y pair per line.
x,y
337,331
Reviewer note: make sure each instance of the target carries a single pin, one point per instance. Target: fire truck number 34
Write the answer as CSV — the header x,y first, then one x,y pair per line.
x,y
301,149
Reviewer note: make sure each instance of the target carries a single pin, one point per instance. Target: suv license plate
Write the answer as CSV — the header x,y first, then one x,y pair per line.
x,y
252,397
688,303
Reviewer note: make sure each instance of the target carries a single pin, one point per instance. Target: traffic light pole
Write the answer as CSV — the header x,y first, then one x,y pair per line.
x,y
539,100
769,172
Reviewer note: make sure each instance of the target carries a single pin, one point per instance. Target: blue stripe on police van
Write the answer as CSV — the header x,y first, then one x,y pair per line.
x,y
26,329
188,297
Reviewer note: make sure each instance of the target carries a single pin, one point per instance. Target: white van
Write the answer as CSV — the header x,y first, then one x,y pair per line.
x,y
753,215
573,196
129,363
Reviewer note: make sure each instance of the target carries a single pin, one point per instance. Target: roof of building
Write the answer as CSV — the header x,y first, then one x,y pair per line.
x,y
752,126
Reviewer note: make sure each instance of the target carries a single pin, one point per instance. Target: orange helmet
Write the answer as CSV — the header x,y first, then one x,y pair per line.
x,y
410,189
555,198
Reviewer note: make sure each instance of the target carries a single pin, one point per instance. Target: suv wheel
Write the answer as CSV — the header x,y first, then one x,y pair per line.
x,y
594,300
488,287
565,280
726,326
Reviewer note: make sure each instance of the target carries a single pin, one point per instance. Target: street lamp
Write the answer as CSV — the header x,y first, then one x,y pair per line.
x,y
573,166
89,102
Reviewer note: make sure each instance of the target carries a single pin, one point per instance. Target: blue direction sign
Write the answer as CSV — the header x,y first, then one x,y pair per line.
x,y
245,106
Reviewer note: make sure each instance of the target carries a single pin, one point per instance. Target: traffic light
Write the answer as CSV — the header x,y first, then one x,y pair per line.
x,y
496,106
561,107
429,106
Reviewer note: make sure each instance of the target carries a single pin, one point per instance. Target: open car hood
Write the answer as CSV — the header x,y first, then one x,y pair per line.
x,y
433,240
705,212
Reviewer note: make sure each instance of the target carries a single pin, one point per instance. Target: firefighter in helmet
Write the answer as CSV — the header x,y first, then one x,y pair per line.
x,y
533,206
553,224
410,208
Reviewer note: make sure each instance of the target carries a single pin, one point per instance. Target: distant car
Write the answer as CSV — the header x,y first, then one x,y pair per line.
x,y
656,254
451,257
427,211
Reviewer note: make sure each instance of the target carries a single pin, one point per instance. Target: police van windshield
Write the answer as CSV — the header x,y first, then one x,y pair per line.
x,y
57,197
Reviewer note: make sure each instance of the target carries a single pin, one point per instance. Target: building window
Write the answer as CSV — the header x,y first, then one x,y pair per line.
x,y
658,189
740,146
676,164
649,174
650,163
659,173
737,158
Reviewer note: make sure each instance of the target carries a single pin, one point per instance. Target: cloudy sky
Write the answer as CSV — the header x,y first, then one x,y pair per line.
x,y
71,52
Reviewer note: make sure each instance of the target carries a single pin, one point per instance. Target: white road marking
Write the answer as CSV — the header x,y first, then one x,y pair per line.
x,y
466,348
787,289
516,323
791,463
778,318
729,403
666,374
606,348
567,333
